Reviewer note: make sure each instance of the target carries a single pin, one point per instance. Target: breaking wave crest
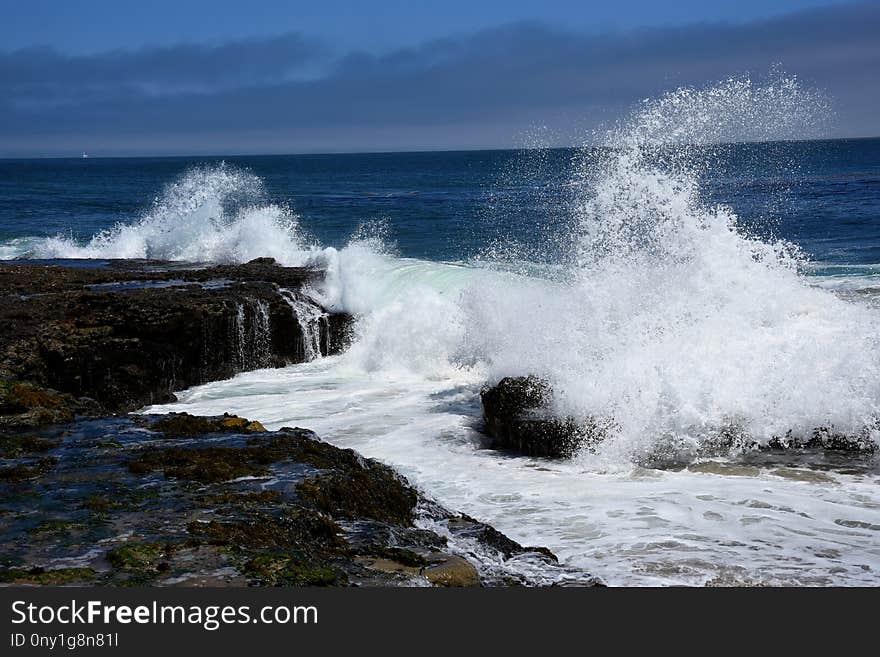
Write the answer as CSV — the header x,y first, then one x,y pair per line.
x,y
675,325
211,214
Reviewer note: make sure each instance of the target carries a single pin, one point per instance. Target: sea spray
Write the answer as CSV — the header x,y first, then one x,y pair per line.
x,y
674,323
210,214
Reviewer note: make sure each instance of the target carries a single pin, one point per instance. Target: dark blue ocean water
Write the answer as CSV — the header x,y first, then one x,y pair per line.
x,y
822,195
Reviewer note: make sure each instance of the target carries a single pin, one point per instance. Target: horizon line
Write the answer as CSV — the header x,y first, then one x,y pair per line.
x,y
397,152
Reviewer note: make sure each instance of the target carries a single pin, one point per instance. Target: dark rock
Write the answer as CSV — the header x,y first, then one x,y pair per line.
x,y
826,438
25,405
370,490
39,575
94,340
283,569
206,464
184,424
518,417
217,464
137,556
17,445
465,526
299,529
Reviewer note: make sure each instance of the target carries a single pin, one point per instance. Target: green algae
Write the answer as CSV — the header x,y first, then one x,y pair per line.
x,y
23,472
279,569
375,493
38,575
184,424
138,556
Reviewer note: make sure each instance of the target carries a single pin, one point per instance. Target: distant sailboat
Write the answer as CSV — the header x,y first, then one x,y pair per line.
x,y
85,155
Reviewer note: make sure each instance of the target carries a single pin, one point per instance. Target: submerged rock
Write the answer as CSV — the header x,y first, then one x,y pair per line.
x,y
26,405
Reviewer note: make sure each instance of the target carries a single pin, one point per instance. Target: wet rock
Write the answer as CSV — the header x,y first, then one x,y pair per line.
x,y
215,464
518,417
16,445
371,490
298,529
809,476
228,507
463,526
827,438
92,340
405,571
725,469
25,405
25,471
285,570
437,568
450,570
409,558
52,577
138,556
247,499
184,424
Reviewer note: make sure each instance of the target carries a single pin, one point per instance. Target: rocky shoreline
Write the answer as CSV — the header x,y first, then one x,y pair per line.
x,y
114,336
93,496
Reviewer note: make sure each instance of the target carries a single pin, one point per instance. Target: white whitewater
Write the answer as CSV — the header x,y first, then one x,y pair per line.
x,y
666,318
310,318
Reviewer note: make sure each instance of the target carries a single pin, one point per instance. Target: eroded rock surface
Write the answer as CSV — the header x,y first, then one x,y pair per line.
x,y
109,337
153,500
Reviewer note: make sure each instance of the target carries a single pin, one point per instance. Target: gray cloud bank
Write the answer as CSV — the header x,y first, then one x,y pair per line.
x,y
488,89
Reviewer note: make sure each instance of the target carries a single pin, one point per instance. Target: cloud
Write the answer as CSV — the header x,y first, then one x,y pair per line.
x,y
41,76
479,90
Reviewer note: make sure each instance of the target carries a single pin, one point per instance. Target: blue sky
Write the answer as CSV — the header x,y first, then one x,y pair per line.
x,y
270,76
89,26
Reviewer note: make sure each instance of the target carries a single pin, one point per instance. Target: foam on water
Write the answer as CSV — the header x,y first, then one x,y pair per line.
x,y
727,524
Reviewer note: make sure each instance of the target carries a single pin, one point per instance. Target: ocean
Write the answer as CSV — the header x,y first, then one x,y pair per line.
x,y
698,275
